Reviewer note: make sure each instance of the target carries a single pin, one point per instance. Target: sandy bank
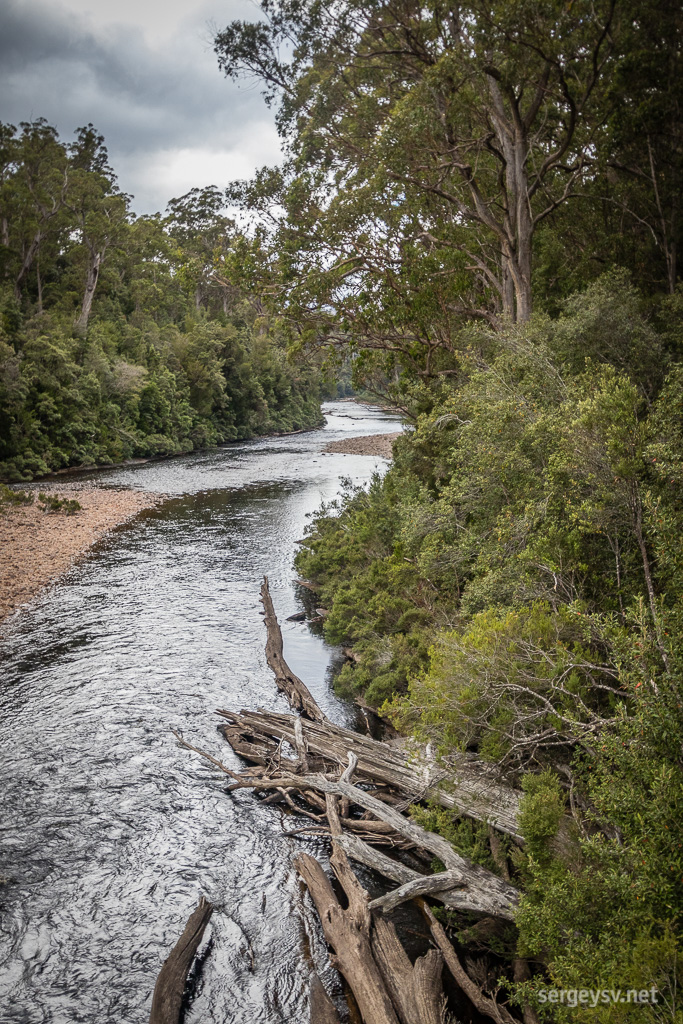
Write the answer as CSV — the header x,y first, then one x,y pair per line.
x,y
36,547
373,444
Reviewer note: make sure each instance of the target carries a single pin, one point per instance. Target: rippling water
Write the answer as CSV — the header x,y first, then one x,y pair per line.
x,y
110,831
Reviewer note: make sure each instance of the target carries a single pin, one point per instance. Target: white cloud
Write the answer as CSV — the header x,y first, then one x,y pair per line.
x,y
173,172
146,76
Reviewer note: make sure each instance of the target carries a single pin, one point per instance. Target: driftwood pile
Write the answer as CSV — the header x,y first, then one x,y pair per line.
x,y
355,789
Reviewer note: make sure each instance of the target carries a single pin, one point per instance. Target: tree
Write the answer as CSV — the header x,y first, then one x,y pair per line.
x,y
36,197
198,225
479,116
99,210
643,147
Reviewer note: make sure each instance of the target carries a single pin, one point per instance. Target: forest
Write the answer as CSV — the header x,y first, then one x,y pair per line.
x,y
121,336
482,205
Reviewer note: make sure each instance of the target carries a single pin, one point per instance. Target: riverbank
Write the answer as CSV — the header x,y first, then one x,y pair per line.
x,y
36,547
373,444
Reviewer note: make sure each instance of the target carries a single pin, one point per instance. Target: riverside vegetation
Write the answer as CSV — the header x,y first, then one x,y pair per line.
x,y
481,204
119,338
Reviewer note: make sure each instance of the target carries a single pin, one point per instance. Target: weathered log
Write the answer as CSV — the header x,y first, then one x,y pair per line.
x,y
489,1007
441,882
472,789
415,990
297,692
306,584
323,1010
347,931
168,991
482,891
397,871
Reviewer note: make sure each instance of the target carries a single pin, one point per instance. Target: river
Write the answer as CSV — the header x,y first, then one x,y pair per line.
x,y
110,831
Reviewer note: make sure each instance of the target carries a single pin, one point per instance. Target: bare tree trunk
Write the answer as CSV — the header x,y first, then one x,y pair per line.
x,y
637,510
27,262
40,285
508,292
91,279
415,990
348,933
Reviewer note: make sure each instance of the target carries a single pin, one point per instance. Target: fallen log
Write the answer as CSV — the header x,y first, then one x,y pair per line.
x,y
481,892
415,989
473,789
489,1007
414,992
168,992
347,931
297,692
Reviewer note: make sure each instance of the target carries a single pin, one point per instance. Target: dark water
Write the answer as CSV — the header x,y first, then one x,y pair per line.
x,y
110,831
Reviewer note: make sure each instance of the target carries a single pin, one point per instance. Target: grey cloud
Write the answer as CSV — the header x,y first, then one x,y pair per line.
x,y
143,100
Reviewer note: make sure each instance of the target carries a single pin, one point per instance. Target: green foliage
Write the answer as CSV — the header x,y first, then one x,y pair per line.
x,y
10,498
540,813
53,503
469,838
512,589
122,338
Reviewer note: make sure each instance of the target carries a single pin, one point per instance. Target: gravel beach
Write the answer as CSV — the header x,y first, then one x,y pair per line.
x,y
36,546
372,444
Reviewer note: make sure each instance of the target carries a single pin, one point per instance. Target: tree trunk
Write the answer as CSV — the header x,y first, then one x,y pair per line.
x,y
92,276
39,283
296,691
415,991
348,933
469,787
27,262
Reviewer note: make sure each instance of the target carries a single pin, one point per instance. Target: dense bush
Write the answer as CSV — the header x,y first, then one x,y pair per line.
x,y
513,588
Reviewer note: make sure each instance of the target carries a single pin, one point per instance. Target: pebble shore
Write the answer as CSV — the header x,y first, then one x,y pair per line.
x,y
373,444
36,546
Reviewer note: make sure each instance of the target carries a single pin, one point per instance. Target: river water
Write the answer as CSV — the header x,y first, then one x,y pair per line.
x,y
110,831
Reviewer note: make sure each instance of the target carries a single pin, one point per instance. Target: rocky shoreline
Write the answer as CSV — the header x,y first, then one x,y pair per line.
x,y
372,444
36,547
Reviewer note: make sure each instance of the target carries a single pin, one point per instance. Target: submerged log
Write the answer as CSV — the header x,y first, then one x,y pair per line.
x,y
323,1010
297,692
168,992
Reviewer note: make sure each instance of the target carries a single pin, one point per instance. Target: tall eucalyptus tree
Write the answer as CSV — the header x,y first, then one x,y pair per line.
x,y
460,127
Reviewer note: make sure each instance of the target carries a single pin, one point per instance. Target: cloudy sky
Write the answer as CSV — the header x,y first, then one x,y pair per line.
x,y
144,73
